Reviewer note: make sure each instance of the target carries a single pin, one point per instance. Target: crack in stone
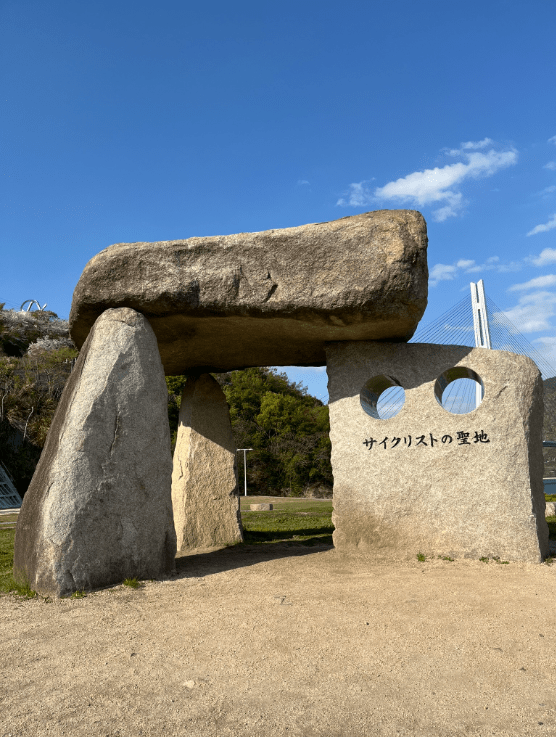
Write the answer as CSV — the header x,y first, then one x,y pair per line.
x,y
116,428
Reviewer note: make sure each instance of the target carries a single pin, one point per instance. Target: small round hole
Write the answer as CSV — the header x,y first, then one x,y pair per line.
x,y
382,397
459,390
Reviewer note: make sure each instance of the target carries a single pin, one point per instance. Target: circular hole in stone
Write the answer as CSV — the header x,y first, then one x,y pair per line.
x,y
459,390
382,397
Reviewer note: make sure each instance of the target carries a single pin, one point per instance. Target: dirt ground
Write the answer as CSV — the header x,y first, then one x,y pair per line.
x,y
289,640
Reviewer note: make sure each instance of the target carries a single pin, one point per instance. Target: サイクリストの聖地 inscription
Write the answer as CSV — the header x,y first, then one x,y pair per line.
x,y
428,440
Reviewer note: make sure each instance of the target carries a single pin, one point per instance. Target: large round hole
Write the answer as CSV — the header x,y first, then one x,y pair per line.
x,y
459,390
382,397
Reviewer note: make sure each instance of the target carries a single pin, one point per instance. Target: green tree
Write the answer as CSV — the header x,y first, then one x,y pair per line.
x,y
286,427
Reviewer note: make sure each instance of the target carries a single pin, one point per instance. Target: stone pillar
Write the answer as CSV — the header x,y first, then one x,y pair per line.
x,y
98,509
426,480
204,480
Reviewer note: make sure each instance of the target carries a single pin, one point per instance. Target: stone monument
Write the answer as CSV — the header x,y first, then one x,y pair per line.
x,y
99,508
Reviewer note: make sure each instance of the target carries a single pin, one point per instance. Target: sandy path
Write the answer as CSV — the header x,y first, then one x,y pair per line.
x,y
277,640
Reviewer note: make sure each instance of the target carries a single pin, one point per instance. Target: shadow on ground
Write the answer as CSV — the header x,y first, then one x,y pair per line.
x,y
205,563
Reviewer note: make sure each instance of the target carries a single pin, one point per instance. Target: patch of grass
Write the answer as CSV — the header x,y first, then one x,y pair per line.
x,y
8,518
484,559
446,557
496,559
8,584
421,557
550,497
133,583
297,521
78,595
549,560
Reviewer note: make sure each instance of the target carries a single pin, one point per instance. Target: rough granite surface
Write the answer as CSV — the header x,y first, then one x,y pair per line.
x,y
98,509
269,298
402,496
204,480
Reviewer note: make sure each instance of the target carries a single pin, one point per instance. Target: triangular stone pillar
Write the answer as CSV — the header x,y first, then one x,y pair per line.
x,y
98,509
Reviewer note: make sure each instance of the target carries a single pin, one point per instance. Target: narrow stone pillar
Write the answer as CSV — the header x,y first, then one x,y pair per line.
x,y
204,480
430,479
98,509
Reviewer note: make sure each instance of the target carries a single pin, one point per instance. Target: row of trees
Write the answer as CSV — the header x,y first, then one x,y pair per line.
x,y
36,356
286,427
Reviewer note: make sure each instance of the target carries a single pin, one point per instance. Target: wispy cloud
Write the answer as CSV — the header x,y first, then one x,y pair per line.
x,y
552,140
551,166
301,182
539,282
545,257
543,228
533,312
547,190
441,185
448,272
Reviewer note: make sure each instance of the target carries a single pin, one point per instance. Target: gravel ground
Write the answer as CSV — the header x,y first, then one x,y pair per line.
x,y
291,641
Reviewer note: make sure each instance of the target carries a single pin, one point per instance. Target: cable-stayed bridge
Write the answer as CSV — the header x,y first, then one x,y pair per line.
x,y
475,321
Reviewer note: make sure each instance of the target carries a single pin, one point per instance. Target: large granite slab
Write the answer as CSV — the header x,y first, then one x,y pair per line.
x,y
268,298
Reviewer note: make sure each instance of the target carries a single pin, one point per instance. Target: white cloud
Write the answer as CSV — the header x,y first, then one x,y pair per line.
x,y
539,282
300,182
543,228
442,272
440,185
533,312
546,256
448,272
551,166
552,140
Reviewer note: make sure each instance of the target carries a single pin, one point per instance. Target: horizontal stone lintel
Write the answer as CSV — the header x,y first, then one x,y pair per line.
x,y
271,298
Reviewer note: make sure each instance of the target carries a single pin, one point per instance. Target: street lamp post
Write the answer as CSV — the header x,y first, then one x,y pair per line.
x,y
244,466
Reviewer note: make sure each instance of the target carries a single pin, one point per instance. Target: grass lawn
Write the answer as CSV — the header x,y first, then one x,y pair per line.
x,y
306,521
8,518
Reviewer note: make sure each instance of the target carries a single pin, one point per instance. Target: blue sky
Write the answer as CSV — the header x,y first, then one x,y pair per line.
x,y
137,121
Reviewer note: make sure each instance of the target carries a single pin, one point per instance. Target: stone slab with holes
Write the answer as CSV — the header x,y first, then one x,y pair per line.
x,y
411,476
